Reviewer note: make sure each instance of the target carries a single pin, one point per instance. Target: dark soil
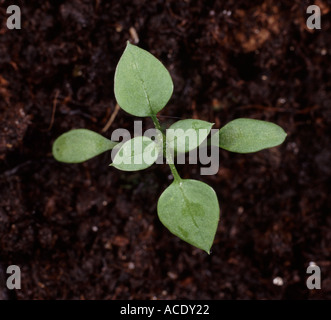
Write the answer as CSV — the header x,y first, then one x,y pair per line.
x,y
88,231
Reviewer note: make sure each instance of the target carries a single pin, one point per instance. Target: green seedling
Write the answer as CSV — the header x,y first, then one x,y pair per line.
x,y
143,86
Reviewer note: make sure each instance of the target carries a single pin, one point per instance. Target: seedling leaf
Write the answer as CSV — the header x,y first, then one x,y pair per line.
x,y
79,145
186,135
249,135
136,154
190,210
143,86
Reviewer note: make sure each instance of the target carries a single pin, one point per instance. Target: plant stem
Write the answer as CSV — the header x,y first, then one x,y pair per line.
x,y
174,172
156,122
167,155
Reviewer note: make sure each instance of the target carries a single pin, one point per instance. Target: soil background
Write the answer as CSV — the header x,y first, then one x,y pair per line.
x,y
88,231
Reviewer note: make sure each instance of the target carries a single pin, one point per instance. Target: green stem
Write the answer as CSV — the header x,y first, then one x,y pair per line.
x,y
175,173
167,155
156,122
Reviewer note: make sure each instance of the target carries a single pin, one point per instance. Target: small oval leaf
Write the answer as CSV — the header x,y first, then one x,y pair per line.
x,y
249,135
190,210
136,154
186,135
143,86
79,145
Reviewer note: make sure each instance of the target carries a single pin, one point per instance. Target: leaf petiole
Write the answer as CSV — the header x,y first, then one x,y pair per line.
x,y
167,155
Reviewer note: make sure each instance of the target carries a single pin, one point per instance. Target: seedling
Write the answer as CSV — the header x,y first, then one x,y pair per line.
x,y
143,86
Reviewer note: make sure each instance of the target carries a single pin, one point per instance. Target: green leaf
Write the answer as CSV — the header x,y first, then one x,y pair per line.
x,y
190,210
186,135
136,154
143,86
250,135
80,145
